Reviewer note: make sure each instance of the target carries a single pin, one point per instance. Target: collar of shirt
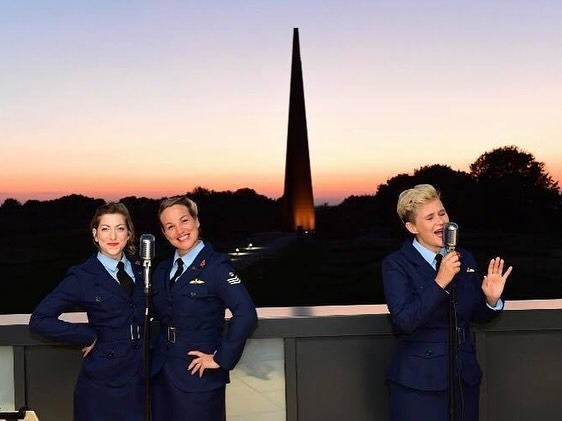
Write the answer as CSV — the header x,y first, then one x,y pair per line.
x,y
427,254
188,258
111,265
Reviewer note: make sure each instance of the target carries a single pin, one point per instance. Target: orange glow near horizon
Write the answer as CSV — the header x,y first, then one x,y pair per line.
x,y
328,187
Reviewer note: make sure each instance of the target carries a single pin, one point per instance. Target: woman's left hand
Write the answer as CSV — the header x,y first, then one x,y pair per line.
x,y
201,362
494,282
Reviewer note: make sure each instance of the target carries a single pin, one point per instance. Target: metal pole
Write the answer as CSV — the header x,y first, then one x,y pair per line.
x,y
451,358
147,292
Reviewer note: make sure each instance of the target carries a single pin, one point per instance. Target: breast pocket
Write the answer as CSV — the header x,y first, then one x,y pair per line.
x,y
198,304
197,291
101,305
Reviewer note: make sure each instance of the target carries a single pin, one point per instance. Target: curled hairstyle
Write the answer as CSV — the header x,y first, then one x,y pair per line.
x,y
112,208
411,198
182,201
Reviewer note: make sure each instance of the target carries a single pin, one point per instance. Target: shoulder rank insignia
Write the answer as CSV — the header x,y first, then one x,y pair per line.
x,y
233,279
196,282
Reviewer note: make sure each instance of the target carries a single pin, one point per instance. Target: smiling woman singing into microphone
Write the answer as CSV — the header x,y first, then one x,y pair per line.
x,y
108,288
417,296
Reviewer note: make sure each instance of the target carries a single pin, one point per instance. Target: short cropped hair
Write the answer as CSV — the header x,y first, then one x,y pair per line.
x,y
411,198
179,200
120,208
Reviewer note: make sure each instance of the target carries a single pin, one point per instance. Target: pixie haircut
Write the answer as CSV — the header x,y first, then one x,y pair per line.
x,y
412,198
179,200
112,208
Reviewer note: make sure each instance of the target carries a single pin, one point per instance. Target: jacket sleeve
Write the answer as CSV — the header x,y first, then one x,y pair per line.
x,y
45,319
230,289
410,303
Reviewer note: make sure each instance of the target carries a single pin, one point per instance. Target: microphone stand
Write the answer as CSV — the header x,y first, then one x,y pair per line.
x,y
453,340
147,370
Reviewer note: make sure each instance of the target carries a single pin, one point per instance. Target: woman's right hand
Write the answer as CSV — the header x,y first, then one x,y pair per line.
x,y
87,349
450,266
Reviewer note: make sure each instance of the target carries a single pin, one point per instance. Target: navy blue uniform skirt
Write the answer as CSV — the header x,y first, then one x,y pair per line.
x,y
96,402
171,403
408,404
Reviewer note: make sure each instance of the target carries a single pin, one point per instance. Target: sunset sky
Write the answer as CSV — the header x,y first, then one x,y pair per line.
x,y
112,98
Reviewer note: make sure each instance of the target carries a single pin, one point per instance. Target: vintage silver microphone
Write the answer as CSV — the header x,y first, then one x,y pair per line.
x,y
146,254
147,246
450,236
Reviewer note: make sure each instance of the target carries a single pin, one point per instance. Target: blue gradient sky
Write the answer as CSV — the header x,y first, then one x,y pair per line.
x,y
119,98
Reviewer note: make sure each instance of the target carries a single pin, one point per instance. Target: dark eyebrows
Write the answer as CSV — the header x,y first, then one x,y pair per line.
x,y
182,218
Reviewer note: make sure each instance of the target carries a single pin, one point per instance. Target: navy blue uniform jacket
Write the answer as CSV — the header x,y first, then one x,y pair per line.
x,y
112,316
195,307
419,314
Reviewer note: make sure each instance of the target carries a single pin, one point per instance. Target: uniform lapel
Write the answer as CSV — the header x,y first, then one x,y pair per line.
x,y
139,279
163,277
103,279
416,259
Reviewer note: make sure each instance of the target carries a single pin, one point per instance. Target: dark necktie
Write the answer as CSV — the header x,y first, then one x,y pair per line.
x,y
124,279
178,273
438,259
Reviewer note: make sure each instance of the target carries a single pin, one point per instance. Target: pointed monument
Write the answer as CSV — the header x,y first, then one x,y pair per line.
x,y
298,202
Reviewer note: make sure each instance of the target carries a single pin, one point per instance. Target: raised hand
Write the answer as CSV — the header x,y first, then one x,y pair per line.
x,y
494,282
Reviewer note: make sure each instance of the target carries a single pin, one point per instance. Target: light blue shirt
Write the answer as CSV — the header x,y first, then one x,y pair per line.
x,y
429,257
187,259
111,265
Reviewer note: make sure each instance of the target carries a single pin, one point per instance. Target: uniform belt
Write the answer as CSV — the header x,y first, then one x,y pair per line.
x,y
132,332
438,335
174,334
171,334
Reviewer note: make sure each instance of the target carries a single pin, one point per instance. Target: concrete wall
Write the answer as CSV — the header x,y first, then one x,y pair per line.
x,y
335,358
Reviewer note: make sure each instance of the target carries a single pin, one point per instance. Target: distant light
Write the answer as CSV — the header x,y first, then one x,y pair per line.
x,y
237,250
250,245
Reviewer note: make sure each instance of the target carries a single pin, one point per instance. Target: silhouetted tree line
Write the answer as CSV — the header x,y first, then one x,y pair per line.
x,y
39,240
506,204
224,215
506,191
